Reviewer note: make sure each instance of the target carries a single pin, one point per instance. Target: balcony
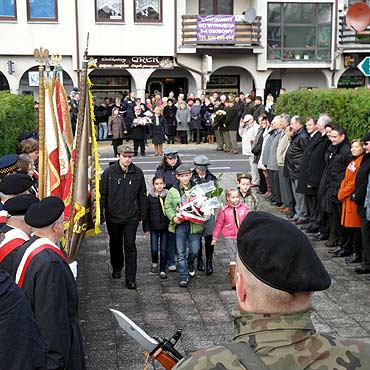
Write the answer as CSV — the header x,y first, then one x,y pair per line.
x,y
348,39
247,36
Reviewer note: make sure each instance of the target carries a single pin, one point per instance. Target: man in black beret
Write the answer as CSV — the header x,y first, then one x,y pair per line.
x,y
277,273
11,186
8,164
47,281
16,231
22,346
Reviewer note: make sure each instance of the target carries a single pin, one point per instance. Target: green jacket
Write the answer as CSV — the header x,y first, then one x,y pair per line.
x,y
172,201
283,342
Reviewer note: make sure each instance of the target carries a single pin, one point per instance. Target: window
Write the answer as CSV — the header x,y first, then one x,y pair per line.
x,y
209,7
8,10
42,10
148,11
299,31
109,11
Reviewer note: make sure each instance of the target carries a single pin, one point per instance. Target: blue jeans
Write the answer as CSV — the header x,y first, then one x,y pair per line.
x,y
161,237
102,130
184,239
171,249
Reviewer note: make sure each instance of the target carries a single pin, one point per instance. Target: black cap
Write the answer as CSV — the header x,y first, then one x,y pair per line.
x,y
277,253
366,137
19,205
44,213
15,184
28,135
8,163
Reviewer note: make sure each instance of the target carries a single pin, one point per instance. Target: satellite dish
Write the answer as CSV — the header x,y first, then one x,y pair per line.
x,y
249,15
358,17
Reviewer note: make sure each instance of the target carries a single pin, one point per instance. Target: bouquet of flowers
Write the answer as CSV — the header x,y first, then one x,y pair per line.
x,y
141,121
218,119
201,204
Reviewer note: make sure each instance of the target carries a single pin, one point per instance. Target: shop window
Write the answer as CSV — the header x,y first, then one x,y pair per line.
x,y
109,11
208,7
299,31
148,11
42,10
8,10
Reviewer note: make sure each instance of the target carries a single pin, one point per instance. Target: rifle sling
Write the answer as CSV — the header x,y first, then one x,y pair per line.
x,y
246,355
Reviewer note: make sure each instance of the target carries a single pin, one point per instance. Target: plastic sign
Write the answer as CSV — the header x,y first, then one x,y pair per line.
x,y
364,66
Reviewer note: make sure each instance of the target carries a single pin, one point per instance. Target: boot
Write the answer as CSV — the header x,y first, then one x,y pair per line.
x,y
200,264
232,274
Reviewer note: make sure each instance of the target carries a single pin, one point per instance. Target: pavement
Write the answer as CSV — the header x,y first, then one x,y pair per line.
x,y
202,310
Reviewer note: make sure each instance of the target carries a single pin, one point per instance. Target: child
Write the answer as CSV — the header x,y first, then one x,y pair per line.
x,y
246,196
188,233
157,223
228,222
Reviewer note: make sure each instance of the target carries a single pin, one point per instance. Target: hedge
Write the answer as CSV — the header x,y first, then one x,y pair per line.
x,y
16,116
350,108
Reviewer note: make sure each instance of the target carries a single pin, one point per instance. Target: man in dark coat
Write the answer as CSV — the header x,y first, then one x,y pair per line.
x,y
124,204
231,127
137,122
49,285
361,184
337,158
258,108
22,347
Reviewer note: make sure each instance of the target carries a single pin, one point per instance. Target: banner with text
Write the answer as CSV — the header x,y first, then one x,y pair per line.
x,y
216,29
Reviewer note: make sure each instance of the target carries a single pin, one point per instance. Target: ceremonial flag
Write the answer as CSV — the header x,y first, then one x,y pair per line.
x,y
85,209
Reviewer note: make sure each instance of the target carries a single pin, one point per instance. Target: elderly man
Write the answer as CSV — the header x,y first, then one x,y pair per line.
x,y
278,271
49,285
124,204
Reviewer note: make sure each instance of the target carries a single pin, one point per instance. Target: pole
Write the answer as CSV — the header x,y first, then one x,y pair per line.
x,y
42,56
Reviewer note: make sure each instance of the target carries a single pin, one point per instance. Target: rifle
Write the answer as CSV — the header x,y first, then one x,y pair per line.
x,y
159,349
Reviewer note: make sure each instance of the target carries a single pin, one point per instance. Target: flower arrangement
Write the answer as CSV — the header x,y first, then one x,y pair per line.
x,y
141,121
218,119
201,204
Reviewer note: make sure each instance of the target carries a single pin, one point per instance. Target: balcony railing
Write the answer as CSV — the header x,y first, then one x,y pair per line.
x,y
246,35
349,38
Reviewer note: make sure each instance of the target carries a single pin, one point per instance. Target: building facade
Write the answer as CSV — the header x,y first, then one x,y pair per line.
x,y
183,45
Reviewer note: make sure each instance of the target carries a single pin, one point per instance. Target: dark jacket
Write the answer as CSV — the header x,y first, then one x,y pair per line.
x,y
123,195
137,131
248,108
337,159
293,157
196,179
168,173
257,111
156,219
305,167
102,113
232,119
361,183
257,145
169,114
157,131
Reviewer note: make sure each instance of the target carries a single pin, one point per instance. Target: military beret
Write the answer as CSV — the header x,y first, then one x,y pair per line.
x,y
44,213
19,205
170,153
8,163
14,184
28,135
183,168
366,137
124,148
201,161
277,253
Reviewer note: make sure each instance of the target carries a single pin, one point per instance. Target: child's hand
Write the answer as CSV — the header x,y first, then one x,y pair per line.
x,y
213,242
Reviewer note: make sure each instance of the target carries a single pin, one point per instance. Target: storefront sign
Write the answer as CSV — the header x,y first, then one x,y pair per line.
x,y
130,62
216,29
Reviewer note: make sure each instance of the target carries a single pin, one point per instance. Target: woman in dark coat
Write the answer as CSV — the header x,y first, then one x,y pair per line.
x,y
138,130
116,128
169,113
195,123
157,130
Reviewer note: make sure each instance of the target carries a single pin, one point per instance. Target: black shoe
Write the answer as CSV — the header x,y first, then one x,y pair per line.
x,y
354,258
320,236
342,253
312,229
209,270
330,244
362,270
191,269
200,265
335,250
131,286
116,274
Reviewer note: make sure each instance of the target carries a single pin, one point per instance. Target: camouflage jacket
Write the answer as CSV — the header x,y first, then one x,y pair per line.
x,y
283,342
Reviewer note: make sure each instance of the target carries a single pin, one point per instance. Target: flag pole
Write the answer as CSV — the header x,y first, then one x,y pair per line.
x,y
42,55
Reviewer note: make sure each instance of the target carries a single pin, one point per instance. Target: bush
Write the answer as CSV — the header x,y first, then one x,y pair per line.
x,y
349,108
16,116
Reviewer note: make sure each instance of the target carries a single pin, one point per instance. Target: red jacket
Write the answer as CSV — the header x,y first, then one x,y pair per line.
x,y
350,218
225,222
